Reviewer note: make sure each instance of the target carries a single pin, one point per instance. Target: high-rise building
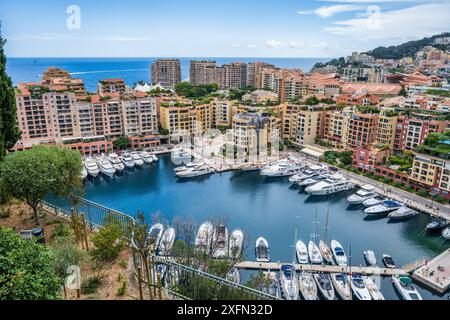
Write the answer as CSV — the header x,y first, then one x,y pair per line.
x,y
202,72
235,75
254,70
166,72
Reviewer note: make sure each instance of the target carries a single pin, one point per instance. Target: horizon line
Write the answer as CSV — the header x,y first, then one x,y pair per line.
x,y
154,57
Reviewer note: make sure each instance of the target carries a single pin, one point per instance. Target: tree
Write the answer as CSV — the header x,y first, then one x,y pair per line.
x,y
33,174
26,269
9,132
123,142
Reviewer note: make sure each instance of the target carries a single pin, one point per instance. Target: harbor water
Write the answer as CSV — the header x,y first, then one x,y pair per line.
x,y
269,208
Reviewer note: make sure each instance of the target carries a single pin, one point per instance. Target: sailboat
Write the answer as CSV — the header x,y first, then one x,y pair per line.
x,y
288,280
324,283
308,286
342,285
314,253
325,250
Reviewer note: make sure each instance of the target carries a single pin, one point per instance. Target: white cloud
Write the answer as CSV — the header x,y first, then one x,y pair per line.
x,y
371,1
296,45
274,44
329,11
304,12
252,46
409,23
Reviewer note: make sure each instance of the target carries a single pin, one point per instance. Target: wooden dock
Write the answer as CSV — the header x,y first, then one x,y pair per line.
x,y
435,274
276,266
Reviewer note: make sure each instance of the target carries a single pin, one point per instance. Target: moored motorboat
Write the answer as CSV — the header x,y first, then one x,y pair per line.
x,y
374,201
155,158
307,173
388,261
308,286
325,285
220,242
338,253
336,183
147,157
194,172
405,288
359,288
262,250
106,167
233,276
402,213
342,285
282,168
236,241
92,167
384,208
314,253
436,225
374,291
289,282
115,161
365,193
370,258
302,252
137,159
155,234
204,237
167,241
127,160
84,173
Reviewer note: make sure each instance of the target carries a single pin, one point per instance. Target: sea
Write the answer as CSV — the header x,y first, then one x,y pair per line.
x,y
132,70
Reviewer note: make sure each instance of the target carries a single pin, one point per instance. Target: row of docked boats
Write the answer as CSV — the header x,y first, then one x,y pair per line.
x,y
111,164
375,204
218,242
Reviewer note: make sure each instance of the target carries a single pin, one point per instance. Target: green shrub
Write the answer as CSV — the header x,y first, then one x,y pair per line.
x,y
441,199
122,290
108,244
123,264
61,231
422,193
91,285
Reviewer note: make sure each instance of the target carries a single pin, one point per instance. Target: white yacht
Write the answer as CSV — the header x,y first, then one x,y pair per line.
x,y
384,208
374,291
236,241
251,167
365,193
155,158
289,282
446,233
307,285
92,167
116,163
332,185
325,285
155,234
204,238
339,254
402,213
326,252
283,168
302,252
167,242
190,165
359,288
342,285
84,173
220,242
127,160
405,288
180,156
313,180
370,258
194,172
307,173
262,250
147,157
388,261
137,159
374,201
106,167
314,253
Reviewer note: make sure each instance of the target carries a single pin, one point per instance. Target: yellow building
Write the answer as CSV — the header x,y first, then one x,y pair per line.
x,y
302,125
386,129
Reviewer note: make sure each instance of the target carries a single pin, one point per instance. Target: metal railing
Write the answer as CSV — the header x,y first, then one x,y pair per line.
x,y
179,281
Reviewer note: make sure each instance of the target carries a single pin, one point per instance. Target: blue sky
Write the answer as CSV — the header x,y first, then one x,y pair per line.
x,y
231,28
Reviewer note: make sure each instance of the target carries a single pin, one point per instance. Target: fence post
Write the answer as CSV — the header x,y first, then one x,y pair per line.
x,y
159,287
141,294
83,219
149,279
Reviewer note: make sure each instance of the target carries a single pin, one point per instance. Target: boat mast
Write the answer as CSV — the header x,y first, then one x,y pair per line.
x,y
326,227
350,264
295,239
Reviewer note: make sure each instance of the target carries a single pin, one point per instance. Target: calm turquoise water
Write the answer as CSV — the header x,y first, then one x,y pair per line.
x,y
266,208
91,70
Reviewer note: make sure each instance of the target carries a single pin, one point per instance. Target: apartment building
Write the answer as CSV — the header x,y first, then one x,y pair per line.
x,y
253,132
413,130
362,130
302,125
56,79
107,87
179,120
335,129
235,75
260,97
222,113
166,72
286,83
386,128
202,72
254,70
